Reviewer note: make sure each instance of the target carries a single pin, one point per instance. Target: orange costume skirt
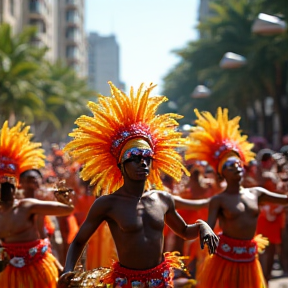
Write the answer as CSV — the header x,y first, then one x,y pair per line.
x,y
118,276
271,228
234,265
30,265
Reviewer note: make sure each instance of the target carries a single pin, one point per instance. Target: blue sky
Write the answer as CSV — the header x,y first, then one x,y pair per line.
x,y
146,31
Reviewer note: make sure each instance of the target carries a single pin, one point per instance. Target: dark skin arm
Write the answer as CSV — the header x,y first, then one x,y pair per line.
x,y
190,231
181,203
46,207
265,196
92,222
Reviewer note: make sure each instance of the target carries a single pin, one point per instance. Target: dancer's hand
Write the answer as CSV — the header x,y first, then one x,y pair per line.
x,y
65,278
64,194
208,237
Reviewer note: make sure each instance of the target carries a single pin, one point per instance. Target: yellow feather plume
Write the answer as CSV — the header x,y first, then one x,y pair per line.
x,y
17,152
98,140
212,138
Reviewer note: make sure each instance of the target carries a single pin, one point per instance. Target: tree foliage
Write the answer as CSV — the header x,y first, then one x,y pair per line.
x,y
48,96
229,30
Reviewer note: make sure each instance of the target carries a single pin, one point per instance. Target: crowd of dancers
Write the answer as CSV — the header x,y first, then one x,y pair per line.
x,y
114,205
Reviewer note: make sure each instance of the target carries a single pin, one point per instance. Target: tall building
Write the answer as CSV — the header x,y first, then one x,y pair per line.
x,y
103,62
60,27
71,38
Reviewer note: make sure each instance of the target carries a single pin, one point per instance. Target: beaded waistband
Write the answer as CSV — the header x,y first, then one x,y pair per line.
x,y
22,254
157,277
236,250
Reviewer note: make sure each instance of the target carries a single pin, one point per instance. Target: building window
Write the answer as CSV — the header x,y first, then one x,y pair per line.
x,y
35,6
71,52
72,33
71,16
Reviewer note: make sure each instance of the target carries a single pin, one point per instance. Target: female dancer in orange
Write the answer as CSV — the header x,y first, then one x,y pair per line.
x,y
235,264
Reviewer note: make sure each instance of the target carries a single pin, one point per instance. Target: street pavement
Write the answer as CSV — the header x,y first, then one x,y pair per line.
x,y
280,280
279,283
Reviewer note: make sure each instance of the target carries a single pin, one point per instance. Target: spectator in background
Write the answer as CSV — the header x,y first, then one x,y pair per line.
x,y
250,174
271,220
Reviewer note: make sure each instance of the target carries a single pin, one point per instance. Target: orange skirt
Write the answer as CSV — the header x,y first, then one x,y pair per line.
x,y
160,276
220,272
118,276
27,271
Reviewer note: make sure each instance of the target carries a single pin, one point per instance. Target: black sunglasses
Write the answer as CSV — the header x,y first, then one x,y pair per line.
x,y
231,163
137,159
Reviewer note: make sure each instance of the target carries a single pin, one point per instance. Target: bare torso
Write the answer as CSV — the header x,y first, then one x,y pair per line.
x,y
17,225
237,213
18,221
137,228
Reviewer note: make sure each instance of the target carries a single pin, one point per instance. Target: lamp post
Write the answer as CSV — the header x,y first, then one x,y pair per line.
x,y
265,25
268,25
201,91
232,60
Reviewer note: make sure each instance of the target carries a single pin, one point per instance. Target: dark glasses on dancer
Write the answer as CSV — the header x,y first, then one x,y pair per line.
x,y
231,164
138,158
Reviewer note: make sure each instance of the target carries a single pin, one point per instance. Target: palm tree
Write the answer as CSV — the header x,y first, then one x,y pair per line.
x,y
65,96
19,63
229,29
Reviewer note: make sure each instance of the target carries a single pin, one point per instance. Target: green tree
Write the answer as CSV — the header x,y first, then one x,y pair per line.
x,y
65,96
48,96
229,30
19,63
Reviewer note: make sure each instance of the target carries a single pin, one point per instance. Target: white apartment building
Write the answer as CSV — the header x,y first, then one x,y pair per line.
x,y
60,27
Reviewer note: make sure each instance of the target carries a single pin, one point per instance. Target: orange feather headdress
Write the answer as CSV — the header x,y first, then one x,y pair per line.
x,y
121,122
17,152
215,139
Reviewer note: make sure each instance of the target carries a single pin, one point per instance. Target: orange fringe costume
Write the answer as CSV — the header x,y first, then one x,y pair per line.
x,y
235,264
160,276
49,225
30,264
118,276
271,222
125,126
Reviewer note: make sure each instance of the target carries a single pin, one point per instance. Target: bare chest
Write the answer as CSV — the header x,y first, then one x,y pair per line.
x,y
12,222
242,205
138,216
